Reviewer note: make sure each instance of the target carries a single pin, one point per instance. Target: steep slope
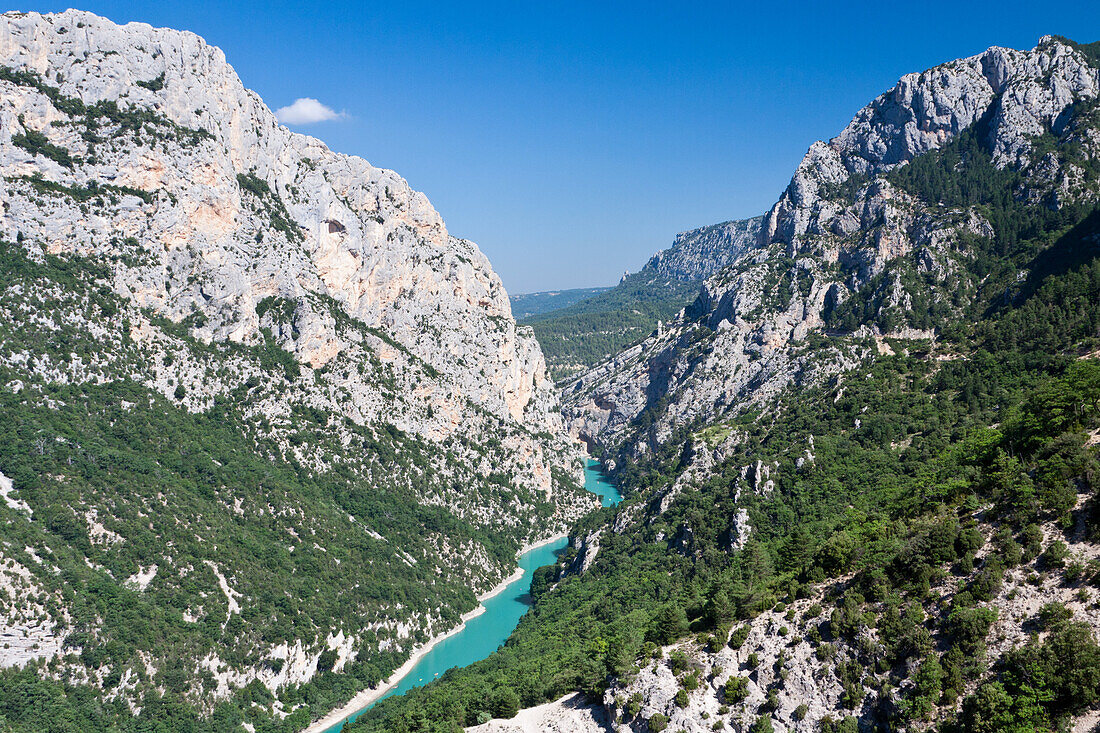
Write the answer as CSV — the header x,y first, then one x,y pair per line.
x,y
581,335
861,469
238,207
267,424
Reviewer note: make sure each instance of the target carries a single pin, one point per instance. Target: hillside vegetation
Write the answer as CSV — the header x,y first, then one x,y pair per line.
x,y
909,482
587,332
141,530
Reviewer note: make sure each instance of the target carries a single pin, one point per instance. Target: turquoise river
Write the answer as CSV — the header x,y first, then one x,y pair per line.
x,y
484,633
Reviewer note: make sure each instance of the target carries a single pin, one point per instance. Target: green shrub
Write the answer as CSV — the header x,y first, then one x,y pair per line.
x,y
735,690
1055,555
740,634
763,724
658,722
327,660
1053,613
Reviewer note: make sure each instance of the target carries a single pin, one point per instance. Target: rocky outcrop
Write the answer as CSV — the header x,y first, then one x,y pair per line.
x,y
778,666
569,714
1022,94
844,228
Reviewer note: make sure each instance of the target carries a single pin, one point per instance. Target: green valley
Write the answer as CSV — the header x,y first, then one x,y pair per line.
x,y
280,453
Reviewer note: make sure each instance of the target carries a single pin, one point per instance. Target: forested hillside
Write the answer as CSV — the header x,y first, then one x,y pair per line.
x,y
908,523
861,469
528,305
266,426
587,332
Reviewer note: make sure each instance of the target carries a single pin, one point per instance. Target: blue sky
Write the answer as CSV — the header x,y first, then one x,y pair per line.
x,y
573,140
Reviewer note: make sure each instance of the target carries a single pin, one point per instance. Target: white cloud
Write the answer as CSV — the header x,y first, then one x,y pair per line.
x,y
306,111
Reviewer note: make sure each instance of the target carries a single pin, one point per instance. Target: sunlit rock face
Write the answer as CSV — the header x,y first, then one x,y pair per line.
x,y
699,253
233,207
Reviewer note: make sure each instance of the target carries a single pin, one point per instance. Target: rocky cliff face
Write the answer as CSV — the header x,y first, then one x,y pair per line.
x,y
1021,94
699,253
228,208
176,258
845,226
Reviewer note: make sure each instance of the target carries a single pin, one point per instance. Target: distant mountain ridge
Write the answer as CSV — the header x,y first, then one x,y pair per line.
x,y
580,334
699,253
528,305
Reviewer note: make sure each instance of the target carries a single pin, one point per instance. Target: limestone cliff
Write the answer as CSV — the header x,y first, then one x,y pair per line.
x,y
699,253
228,207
